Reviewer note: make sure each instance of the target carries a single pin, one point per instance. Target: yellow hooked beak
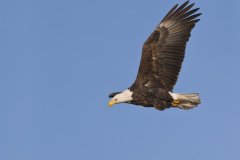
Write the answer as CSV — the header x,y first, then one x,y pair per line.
x,y
112,102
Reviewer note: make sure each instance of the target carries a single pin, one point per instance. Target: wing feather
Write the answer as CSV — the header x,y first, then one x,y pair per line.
x,y
164,50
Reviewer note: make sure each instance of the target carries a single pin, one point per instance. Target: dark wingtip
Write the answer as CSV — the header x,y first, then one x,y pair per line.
x,y
196,20
187,1
191,5
197,9
185,4
198,14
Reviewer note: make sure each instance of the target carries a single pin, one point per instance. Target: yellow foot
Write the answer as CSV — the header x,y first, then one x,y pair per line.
x,y
175,103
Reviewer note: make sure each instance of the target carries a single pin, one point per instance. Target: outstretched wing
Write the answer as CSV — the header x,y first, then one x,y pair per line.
x,y
163,52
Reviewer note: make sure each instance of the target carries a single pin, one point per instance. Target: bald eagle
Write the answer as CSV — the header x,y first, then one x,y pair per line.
x,y
161,61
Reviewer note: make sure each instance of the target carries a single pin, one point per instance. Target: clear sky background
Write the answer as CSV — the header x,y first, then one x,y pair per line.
x,y
59,60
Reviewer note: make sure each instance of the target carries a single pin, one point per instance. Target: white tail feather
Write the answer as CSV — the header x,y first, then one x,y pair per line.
x,y
187,101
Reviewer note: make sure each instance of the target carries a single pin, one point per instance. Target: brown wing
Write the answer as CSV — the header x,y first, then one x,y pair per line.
x,y
163,52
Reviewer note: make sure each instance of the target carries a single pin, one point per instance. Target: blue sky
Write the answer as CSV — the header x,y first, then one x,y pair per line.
x,y
59,60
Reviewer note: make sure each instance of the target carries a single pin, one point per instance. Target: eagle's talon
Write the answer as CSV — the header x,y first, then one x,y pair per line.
x,y
176,102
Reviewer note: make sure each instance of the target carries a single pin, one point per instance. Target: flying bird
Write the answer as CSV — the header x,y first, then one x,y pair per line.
x,y
162,56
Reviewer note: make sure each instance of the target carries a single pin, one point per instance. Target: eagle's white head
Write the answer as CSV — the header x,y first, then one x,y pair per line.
x,y
120,97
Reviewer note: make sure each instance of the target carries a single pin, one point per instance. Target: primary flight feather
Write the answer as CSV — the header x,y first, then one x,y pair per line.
x,y
161,61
